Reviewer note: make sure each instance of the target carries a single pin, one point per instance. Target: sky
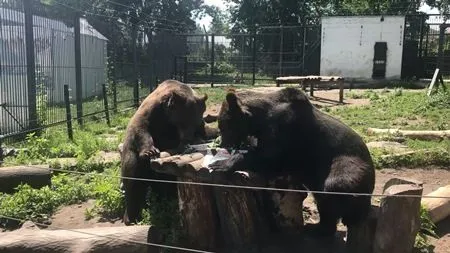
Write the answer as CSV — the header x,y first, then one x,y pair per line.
x,y
220,3
207,19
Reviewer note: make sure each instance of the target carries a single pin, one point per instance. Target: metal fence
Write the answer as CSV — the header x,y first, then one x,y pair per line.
x,y
260,56
40,56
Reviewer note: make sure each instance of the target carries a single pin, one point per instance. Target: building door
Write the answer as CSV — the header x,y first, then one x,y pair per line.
x,y
379,60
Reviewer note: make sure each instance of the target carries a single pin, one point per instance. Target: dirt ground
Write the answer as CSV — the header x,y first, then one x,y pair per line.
x,y
321,98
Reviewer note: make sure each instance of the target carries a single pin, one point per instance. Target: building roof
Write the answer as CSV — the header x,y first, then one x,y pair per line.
x,y
9,17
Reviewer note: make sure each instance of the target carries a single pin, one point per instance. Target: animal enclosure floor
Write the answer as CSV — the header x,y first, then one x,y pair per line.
x,y
73,216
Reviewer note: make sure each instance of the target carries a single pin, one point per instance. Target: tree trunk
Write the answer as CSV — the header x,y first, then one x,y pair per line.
x,y
398,220
438,208
36,177
412,134
92,240
243,216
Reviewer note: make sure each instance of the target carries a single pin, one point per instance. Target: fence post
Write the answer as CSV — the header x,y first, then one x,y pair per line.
x,y
303,50
78,81
114,81
1,149
175,68
185,66
442,28
31,74
105,103
135,66
212,60
68,113
254,58
280,71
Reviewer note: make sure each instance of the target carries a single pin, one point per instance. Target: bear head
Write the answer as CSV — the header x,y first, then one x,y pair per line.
x,y
234,121
186,113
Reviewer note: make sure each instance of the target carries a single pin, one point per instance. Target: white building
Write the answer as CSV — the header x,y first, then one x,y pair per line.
x,y
55,64
349,44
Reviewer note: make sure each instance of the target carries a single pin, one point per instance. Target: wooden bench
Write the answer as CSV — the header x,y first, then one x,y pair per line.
x,y
313,81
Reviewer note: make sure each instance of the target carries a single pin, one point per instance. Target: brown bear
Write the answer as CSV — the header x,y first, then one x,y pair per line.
x,y
295,138
168,118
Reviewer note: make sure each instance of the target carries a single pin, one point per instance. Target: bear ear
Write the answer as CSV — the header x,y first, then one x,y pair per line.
x,y
232,100
172,100
204,98
234,103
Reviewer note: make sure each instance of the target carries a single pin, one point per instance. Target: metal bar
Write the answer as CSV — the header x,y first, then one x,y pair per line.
x,y
280,70
254,59
441,44
31,71
105,103
303,50
68,112
185,70
135,66
78,78
212,60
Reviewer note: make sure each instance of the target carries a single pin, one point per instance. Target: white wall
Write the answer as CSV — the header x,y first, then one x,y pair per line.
x,y
347,47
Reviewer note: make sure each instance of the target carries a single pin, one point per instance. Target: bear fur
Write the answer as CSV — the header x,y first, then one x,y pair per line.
x,y
168,118
295,138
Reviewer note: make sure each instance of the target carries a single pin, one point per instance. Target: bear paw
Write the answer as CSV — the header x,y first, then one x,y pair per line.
x,y
151,153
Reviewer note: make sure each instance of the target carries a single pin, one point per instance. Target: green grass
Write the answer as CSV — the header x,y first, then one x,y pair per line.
x,y
405,110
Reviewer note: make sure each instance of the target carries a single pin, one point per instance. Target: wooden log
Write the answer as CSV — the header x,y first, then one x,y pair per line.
x,y
243,218
360,238
341,91
35,176
198,216
287,206
412,134
93,240
196,202
398,219
438,208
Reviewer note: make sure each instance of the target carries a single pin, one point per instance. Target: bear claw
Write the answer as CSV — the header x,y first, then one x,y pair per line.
x,y
153,152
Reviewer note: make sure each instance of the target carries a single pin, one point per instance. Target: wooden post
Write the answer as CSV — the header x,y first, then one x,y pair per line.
x,y
398,220
341,91
196,202
287,206
198,215
360,237
433,81
239,218
311,87
243,219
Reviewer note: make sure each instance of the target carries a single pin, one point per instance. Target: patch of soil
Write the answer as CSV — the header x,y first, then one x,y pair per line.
x,y
73,217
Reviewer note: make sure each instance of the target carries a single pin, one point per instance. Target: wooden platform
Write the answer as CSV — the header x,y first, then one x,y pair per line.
x,y
313,81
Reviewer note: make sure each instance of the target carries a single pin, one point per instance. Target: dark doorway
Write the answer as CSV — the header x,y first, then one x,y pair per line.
x,y
379,60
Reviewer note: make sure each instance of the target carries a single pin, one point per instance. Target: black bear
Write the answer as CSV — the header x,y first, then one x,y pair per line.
x,y
168,118
294,137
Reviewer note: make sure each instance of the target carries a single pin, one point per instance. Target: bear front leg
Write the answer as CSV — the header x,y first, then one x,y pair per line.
x,y
234,163
147,149
328,214
135,192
